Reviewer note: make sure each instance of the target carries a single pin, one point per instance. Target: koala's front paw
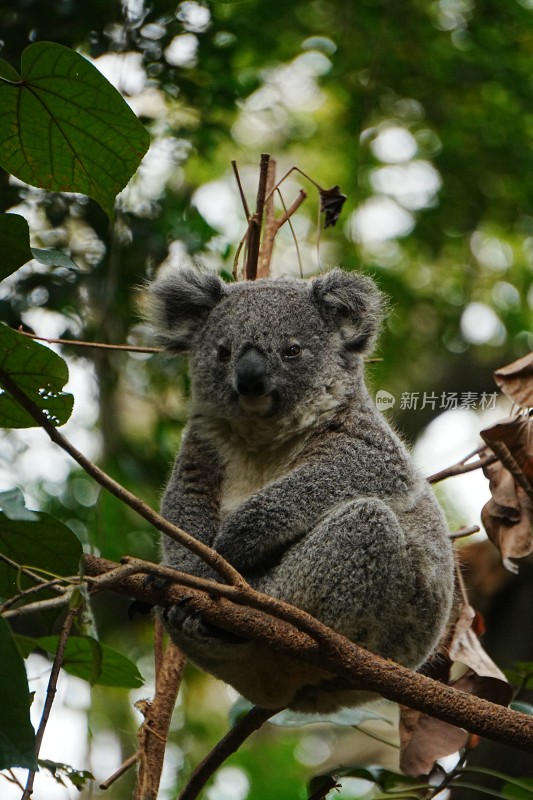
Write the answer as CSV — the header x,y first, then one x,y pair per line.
x,y
189,630
234,542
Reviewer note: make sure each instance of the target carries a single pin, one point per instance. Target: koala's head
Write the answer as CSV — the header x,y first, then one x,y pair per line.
x,y
265,347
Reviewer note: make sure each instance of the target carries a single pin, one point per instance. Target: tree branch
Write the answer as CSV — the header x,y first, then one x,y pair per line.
x,y
210,556
157,715
228,745
359,668
256,221
50,695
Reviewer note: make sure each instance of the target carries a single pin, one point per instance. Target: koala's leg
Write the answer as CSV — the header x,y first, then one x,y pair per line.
x,y
355,572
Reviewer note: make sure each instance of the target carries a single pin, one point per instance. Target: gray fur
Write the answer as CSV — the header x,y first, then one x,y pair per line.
x,y
296,478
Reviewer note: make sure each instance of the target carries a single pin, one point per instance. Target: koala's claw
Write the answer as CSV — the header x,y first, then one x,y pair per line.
x,y
191,624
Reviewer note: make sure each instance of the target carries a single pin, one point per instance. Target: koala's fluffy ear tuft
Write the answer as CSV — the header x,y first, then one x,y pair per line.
x,y
352,303
178,304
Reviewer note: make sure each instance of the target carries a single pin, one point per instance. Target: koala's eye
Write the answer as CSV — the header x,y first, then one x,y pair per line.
x,y
293,351
223,353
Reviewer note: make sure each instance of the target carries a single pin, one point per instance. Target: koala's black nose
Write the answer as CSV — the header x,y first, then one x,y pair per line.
x,y
250,374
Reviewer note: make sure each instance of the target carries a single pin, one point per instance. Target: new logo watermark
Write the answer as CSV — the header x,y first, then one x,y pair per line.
x,y
445,401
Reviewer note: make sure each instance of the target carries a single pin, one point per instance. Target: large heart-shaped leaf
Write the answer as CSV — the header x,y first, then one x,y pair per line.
x,y
64,127
39,373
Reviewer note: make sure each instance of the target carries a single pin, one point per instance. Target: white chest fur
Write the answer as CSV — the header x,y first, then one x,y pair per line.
x,y
247,472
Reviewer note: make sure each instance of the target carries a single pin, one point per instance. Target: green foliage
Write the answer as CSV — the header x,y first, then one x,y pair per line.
x,y
15,243
455,76
17,737
36,541
65,127
39,373
88,659
65,774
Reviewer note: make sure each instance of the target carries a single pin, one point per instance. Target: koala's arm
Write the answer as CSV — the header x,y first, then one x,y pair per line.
x,y
334,471
191,501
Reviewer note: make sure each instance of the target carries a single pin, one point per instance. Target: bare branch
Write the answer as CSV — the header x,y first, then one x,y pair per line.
x,y
241,190
100,345
206,553
461,533
256,221
50,695
461,467
124,767
229,744
336,654
157,715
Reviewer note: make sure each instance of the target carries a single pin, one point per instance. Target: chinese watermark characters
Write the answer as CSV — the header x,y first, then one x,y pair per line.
x,y
443,401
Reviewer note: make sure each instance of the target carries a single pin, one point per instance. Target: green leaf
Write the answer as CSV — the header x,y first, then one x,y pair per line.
x,y
17,737
64,772
524,708
14,243
518,790
351,717
39,373
94,662
54,258
64,127
43,543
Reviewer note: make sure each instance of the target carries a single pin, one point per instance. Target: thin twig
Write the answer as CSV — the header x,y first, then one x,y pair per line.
x,y
231,742
241,190
461,468
211,557
256,221
50,694
22,570
124,767
39,605
100,345
461,533
288,213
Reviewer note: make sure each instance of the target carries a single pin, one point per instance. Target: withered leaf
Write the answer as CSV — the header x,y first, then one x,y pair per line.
x,y
424,739
512,441
508,515
331,203
466,648
516,381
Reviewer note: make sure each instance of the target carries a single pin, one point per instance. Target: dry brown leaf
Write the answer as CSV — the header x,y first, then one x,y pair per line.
x,y
485,678
508,515
424,739
512,441
516,381
331,203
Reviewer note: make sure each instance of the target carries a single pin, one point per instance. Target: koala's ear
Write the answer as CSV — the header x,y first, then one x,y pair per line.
x,y
178,304
352,303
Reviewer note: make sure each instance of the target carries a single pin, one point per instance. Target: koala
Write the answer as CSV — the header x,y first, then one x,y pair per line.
x,y
289,471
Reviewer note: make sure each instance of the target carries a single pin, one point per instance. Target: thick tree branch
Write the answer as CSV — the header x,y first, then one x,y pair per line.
x,y
359,668
153,732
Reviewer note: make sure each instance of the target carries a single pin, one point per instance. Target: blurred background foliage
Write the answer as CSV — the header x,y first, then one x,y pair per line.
x,y
422,112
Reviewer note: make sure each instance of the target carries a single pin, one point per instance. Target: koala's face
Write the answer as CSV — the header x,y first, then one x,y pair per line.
x,y
266,347
263,350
